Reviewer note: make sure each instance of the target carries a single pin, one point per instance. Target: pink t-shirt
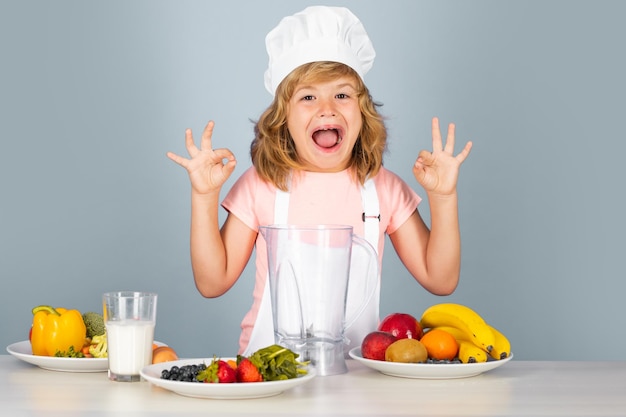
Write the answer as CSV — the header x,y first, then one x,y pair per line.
x,y
315,198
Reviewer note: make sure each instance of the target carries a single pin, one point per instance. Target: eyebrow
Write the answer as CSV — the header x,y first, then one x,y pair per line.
x,y
310,86
346,84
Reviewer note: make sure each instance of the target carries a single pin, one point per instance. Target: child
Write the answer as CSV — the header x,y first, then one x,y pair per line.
x,y
317,156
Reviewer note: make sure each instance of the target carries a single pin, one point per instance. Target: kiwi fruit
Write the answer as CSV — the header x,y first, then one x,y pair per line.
x,y
406,351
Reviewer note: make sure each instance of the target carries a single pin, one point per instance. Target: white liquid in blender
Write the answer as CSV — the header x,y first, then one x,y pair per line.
x,y
129,345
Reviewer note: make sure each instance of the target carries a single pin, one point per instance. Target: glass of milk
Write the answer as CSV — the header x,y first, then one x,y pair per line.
x,y
129,317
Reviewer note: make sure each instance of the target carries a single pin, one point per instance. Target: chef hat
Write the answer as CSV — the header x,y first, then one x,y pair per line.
x,y
318,33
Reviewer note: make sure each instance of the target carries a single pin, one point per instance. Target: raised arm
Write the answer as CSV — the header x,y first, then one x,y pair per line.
x,y
434,256
217,256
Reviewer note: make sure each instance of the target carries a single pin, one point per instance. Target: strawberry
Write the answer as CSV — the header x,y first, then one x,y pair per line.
x,y
218,371
225,372
248,372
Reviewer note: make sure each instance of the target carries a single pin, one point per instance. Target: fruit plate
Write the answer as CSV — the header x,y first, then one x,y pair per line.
x,y
23,351
428,370
152,373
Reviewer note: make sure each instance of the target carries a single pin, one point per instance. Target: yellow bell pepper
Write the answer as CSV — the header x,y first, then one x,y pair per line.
x,y
56,330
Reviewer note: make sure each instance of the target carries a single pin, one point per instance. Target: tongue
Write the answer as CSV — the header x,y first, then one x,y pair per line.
x,y
325,138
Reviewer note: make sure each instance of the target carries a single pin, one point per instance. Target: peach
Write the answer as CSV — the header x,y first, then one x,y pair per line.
x,y
375,344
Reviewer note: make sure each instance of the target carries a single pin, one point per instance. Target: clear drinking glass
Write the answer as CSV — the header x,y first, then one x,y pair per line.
x,y
130,318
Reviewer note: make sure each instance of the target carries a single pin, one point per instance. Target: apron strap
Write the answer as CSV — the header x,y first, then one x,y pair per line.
x,y
371,213
281,207
262,334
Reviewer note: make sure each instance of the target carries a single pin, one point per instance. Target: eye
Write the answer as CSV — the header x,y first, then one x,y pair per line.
x,y
342,95
308,98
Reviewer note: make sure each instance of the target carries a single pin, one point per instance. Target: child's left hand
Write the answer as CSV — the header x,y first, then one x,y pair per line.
x,y
437,171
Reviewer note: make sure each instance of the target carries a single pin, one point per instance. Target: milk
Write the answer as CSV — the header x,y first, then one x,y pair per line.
x,y
129,345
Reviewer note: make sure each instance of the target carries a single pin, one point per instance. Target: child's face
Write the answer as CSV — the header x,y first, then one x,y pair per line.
x,y
324,120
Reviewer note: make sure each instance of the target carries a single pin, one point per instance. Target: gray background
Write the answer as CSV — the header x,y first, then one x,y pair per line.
x,y
93,94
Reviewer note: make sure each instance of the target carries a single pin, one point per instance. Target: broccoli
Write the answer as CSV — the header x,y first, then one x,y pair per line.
x,y
71,353
94,322
98,348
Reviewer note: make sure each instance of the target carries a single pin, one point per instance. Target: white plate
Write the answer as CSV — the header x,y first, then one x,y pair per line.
x,y
23,351
152,373
428,370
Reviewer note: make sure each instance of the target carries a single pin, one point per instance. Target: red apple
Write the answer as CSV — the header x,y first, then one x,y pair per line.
x,y
375,344
401,325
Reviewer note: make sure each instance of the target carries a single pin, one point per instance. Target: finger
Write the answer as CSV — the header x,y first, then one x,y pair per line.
x,y
437,145
229,167
206,143
465,152
419,172
449,148
224,153
178,159
424,158
189,144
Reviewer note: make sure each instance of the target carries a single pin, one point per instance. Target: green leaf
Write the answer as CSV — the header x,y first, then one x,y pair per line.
x,y
277,363
209,374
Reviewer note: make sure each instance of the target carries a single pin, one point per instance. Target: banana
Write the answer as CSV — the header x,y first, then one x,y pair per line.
x,y
464,319
454,331
501,347
470,353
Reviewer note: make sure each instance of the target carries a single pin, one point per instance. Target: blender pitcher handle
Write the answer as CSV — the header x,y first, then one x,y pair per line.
x,y
371,279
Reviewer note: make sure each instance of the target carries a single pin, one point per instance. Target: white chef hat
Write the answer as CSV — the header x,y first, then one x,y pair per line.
x,y
318,33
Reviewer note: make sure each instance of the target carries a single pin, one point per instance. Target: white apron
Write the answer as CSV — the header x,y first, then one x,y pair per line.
x,y
263,331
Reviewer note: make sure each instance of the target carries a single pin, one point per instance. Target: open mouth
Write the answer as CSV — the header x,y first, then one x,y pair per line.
x,y
327,138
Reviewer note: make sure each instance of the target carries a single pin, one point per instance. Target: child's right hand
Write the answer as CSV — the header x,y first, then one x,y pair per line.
x,y
206,167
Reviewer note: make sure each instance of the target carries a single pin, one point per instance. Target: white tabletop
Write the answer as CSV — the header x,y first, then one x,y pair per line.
x,y
519,388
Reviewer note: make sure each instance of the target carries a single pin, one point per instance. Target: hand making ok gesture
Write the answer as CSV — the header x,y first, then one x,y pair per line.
x,y
208,168
437,171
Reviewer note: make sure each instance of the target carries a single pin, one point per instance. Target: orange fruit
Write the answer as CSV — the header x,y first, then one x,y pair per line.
x,y
164,354
440,344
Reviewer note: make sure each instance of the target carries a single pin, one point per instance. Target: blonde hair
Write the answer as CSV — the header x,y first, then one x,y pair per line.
x,y
273,151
